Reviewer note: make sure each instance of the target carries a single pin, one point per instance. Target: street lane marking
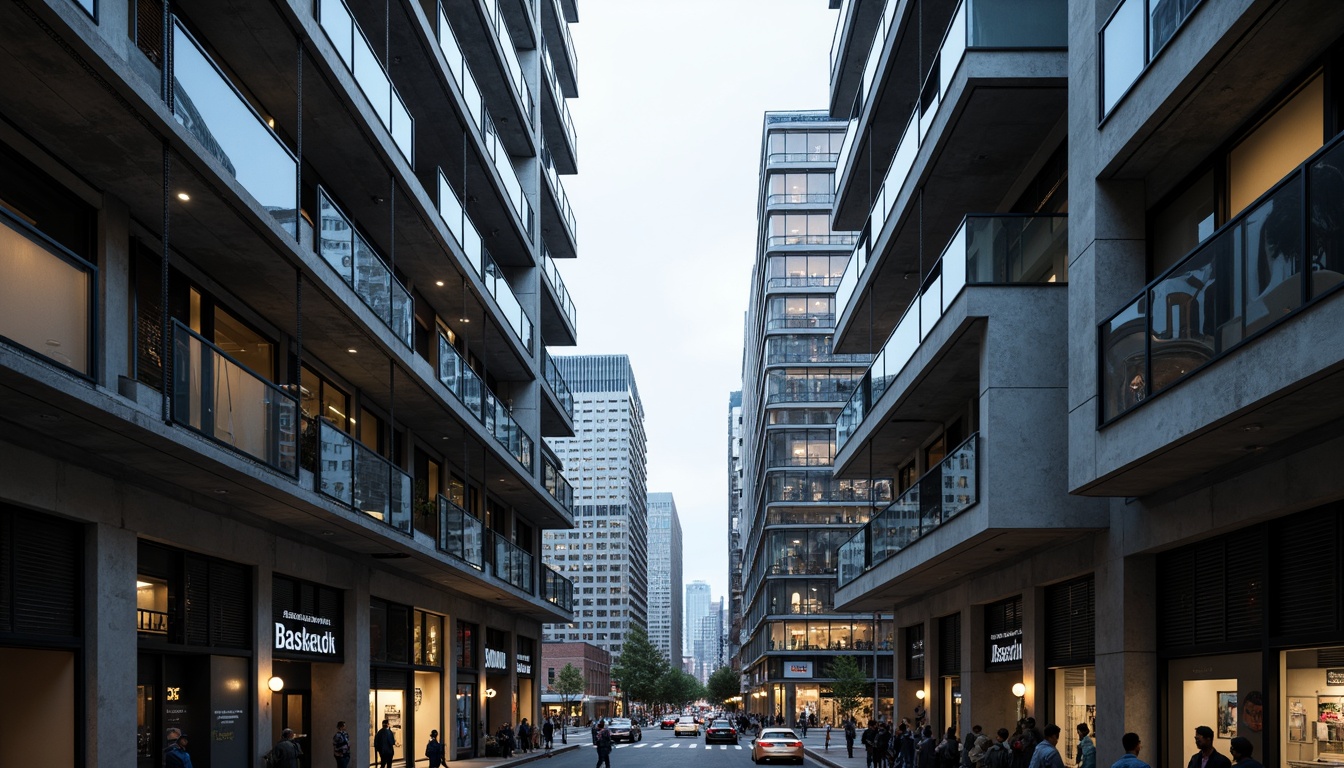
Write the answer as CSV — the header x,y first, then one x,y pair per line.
x,y
637,746
655,746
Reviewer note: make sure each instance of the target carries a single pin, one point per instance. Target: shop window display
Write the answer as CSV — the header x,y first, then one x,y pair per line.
x,y
1313,706
1225,693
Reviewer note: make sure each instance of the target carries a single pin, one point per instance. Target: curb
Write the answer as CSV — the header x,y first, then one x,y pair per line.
x,y
542,754
821,757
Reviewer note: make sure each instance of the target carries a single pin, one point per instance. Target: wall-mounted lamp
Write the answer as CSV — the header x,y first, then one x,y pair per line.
x,y
919,694
489,693
1020,691
276,684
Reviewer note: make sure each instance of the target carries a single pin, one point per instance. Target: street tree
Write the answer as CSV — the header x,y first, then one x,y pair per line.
x,y
851,684
723,684
640,666
569,683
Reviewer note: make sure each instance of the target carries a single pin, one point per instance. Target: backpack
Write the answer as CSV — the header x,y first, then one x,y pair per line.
x,y
998,756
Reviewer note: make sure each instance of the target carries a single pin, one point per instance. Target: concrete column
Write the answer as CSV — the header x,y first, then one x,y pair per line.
x,y
110,646
1126,650
114,298
1035,675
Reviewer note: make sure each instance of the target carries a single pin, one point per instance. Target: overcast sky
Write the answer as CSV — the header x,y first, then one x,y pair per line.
x,y
669,117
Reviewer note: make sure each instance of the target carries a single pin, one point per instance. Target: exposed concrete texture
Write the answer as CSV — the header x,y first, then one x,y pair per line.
x,y
110,647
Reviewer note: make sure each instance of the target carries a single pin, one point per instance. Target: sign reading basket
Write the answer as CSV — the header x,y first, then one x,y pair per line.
x,y
305,634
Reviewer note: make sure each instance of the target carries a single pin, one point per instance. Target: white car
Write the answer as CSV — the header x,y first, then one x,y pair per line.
x,y
686,725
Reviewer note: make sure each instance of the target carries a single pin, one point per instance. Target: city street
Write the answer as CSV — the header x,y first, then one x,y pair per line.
x,y
659,748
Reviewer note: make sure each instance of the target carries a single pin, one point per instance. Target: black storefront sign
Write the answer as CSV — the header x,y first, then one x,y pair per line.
x,y
1003,634
914,652
306,620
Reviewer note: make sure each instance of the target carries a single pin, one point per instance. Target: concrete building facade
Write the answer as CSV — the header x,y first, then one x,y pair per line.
x,y
1099,266
596,700
277,293
665,574
734,624
794,514
607,555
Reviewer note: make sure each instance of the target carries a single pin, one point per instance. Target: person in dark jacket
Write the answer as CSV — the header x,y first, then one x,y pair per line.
x,y
434,750
385,744
505,739
924,753
548,732
603,742
850,733
176,755
286,752
1207,756
340,745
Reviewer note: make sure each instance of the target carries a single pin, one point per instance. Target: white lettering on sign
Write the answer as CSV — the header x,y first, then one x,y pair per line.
x,y
1005,647
302,640
496,659
306,618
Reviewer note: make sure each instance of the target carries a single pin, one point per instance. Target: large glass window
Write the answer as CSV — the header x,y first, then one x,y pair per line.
x,y
803,385
800,448
806,270
805,229
800,312
1213,691
801,187
1277,146
805,146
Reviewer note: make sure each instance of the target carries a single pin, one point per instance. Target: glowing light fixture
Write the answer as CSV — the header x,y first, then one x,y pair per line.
x,y
276,684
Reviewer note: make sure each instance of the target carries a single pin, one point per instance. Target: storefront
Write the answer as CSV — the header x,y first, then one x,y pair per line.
x,y
405,677
194,622
501,702
949,670
1250,626
527,689
41,606
307,624
1070,632
466,726
1004,641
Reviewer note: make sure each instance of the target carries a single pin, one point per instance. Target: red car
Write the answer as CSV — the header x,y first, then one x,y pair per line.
x,y
669,722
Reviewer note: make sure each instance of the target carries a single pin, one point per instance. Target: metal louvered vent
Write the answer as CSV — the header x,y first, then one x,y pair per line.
x,y
387,678
1306,575
45,581
230,606
1070,623
949,645
196,574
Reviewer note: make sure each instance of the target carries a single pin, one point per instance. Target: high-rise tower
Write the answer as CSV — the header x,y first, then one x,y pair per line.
x,y
665,574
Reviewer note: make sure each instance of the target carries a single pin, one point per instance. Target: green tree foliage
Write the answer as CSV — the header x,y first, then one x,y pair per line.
x,y
679,688
723,684
569,684
851,684
640,668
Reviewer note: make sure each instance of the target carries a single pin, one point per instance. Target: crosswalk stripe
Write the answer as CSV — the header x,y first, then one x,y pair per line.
x,y
673,746
655,746
641,744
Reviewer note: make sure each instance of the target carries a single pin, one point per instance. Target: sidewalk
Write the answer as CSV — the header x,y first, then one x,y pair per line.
x,y
578,738
835,757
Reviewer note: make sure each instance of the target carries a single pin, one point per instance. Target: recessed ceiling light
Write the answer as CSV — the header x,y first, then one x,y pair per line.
x,y
328,533
1251,428
465,319
183,196
439,283
221,491
352,350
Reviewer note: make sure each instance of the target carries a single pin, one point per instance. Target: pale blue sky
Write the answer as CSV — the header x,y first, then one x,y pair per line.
x,y
669,116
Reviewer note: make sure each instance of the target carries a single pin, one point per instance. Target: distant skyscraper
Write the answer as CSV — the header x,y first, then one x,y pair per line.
x,y
606,556
733,623
665,569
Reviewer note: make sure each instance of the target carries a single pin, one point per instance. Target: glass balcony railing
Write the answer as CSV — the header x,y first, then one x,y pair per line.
x,y
556,589
356,476
941,494
561,199
357,54
467,387
976,24
511,564
802,281
799,198
480,117
47,297
360,266
566,120
849,281
454,215
1283,252
1132,37
515,70
820,392
219,398
986,250
808,320
461,534
207,104
828,238
837,35
556,484
571,53
552,273
557,383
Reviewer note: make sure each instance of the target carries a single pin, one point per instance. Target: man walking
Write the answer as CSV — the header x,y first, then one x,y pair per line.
x,y
603,742
1131,743
548,731
286,752
1045,755
1207,756
340,745
385,745
176,755
850,733
1087,750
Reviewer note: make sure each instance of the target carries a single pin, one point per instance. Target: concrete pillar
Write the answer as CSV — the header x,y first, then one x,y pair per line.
x,y
110,646
114,298
1126,650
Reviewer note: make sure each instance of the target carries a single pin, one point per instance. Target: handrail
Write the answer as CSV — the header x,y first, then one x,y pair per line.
x,y
556,380
556,588
562,105
356,476
552,272
1120,66
558,189
362,268
337,21
470,390
555,483
461,534
511,563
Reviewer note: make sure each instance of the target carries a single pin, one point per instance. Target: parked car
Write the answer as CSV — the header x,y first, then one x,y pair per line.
x,y
686,725
669,722
622,729
777,744
721,730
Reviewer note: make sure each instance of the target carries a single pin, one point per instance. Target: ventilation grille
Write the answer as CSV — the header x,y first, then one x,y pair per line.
x,y
1306,595
949,645
1070,624
40,576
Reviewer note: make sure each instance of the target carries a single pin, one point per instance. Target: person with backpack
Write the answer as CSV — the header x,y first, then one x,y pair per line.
x,y
999,754
850,733
285,753
976,750
434,750
948,752
603,742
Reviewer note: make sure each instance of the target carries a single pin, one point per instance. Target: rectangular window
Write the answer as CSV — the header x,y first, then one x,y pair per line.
x,y
1277,146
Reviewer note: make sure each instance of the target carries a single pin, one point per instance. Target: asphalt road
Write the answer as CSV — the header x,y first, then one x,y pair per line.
x,y
658,749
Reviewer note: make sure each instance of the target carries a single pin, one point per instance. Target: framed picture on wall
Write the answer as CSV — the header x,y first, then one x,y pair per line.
x,y
1227,714
1297,720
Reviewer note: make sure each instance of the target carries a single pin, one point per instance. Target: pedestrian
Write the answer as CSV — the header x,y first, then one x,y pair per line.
x,y
948,752
1131,743
340,745
850,733
880,746
976,751
385,744
603,742
802,723
828,735
175,756
999,754
286,752
1207,756
971,737
506,740
548,732
593,726
869,743
524,736
906,745
434,750
1087,749
1045,754
924,751
170,738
